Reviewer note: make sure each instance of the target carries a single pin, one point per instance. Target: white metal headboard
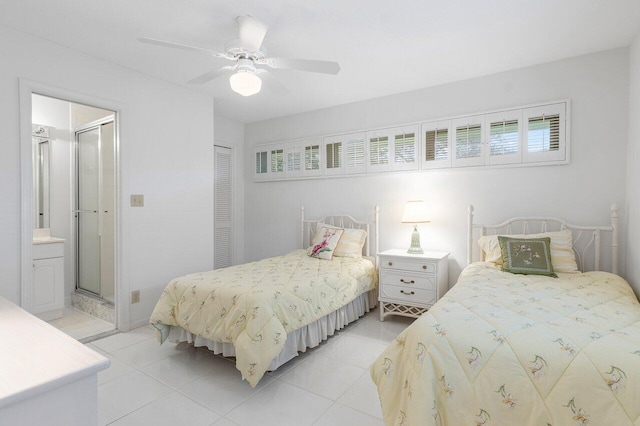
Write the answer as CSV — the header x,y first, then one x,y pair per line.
x,y
343,221
586,239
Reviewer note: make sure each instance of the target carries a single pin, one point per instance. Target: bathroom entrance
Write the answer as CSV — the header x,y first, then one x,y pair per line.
x,y
74,199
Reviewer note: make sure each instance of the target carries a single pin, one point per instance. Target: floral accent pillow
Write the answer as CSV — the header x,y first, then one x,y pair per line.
x,y
324,242
528,256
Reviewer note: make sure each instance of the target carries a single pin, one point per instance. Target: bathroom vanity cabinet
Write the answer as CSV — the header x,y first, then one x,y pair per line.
x,y
48,278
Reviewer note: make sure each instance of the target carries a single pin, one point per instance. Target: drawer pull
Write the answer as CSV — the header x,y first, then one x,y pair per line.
x,y
424,266
409,293
390,263
407,282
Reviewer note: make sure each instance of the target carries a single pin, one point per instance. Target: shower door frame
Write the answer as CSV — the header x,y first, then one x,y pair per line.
x,y
97,124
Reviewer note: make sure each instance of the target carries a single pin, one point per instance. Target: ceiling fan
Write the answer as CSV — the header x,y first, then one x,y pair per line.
x,y
250,59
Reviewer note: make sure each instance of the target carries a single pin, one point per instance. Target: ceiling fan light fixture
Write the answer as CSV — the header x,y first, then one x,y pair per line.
x,y
245,83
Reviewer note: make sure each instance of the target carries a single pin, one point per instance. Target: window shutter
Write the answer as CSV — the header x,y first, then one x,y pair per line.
x,y
544,134
504,135
294,161
334,151
503,138
277,160
468,141
379,150
334,155
355,153
405,148
223,207
312,157
436,145
261,164
356,159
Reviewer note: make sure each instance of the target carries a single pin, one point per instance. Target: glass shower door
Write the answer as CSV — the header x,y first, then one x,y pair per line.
x,y
88,206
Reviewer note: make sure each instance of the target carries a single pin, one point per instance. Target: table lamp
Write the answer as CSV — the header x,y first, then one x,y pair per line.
x,y
415,212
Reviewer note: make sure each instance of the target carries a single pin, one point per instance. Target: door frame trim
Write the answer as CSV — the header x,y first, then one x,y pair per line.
x,y
27,88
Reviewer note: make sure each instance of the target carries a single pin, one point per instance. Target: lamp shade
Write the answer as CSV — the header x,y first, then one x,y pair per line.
x,y
415,212
245,83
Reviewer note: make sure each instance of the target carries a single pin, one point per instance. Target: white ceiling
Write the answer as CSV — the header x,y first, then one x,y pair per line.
x,y
383,46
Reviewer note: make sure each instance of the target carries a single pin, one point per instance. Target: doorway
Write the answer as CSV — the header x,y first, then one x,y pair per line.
x,y
77,203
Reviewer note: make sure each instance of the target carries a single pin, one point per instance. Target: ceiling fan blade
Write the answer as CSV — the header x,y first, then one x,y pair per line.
x,y
271,82
210,75
251,32
171,44
324,67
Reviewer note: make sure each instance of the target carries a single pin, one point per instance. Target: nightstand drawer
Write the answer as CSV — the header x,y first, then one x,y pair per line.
x,y
407,265
407,279
408,294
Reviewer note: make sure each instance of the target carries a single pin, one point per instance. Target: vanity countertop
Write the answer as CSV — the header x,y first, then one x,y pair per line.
x,y
37,357
43,236
48,240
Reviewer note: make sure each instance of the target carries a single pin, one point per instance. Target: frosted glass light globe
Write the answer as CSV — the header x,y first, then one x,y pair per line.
x,y
245,83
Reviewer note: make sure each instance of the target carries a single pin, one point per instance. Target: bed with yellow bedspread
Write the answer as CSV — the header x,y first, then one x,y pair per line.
x,y
504,349
255,305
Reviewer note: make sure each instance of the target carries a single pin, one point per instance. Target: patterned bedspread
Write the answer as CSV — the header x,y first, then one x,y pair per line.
x,y
255,305
504,349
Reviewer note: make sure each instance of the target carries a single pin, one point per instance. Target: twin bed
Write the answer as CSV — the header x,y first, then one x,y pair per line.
x,y
498,349
264,313
519,349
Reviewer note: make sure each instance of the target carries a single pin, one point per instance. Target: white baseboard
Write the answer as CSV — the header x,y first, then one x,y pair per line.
x,y
140,323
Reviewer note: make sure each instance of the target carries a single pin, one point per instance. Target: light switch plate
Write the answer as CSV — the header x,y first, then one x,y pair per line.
x,y
137,200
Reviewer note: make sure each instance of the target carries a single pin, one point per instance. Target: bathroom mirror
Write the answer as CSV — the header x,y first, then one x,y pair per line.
x,y
41,175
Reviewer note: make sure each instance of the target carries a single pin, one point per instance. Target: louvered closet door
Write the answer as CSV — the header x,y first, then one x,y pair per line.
x,y
223,211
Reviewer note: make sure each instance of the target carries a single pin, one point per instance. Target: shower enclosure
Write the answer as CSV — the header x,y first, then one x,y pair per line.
x,y
95,208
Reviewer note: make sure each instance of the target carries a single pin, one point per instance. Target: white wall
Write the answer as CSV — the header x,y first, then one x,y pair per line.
x,y
633,169
230,133
166,153
582,191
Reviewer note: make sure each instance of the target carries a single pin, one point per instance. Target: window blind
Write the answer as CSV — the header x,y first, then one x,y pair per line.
x,y
503,137
405,148
436,144
544,133
312,157
334,155
469,141
277,160
379,150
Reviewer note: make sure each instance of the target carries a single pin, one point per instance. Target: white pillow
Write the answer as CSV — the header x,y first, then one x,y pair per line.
x,y
351,243
324,242
563,258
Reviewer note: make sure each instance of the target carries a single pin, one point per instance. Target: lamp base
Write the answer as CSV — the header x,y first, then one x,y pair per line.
x,y
415,242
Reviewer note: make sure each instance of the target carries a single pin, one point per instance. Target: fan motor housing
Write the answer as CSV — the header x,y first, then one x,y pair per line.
x,y
235,49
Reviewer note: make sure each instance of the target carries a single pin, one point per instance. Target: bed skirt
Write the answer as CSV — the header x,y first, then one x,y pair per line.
x,y
299,340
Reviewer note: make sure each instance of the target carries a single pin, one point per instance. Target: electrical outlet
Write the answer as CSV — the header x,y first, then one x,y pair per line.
x,y
135,296
137,200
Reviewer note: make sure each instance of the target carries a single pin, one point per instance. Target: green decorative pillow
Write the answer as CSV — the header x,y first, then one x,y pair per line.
x,y
529,256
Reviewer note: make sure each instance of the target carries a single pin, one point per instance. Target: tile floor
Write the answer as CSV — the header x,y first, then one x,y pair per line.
x,y
149,384
80,325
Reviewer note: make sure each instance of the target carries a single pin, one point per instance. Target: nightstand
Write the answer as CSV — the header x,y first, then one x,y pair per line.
x,y
411,283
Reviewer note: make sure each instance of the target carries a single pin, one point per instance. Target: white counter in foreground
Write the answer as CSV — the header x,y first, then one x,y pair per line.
x,y
46,376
